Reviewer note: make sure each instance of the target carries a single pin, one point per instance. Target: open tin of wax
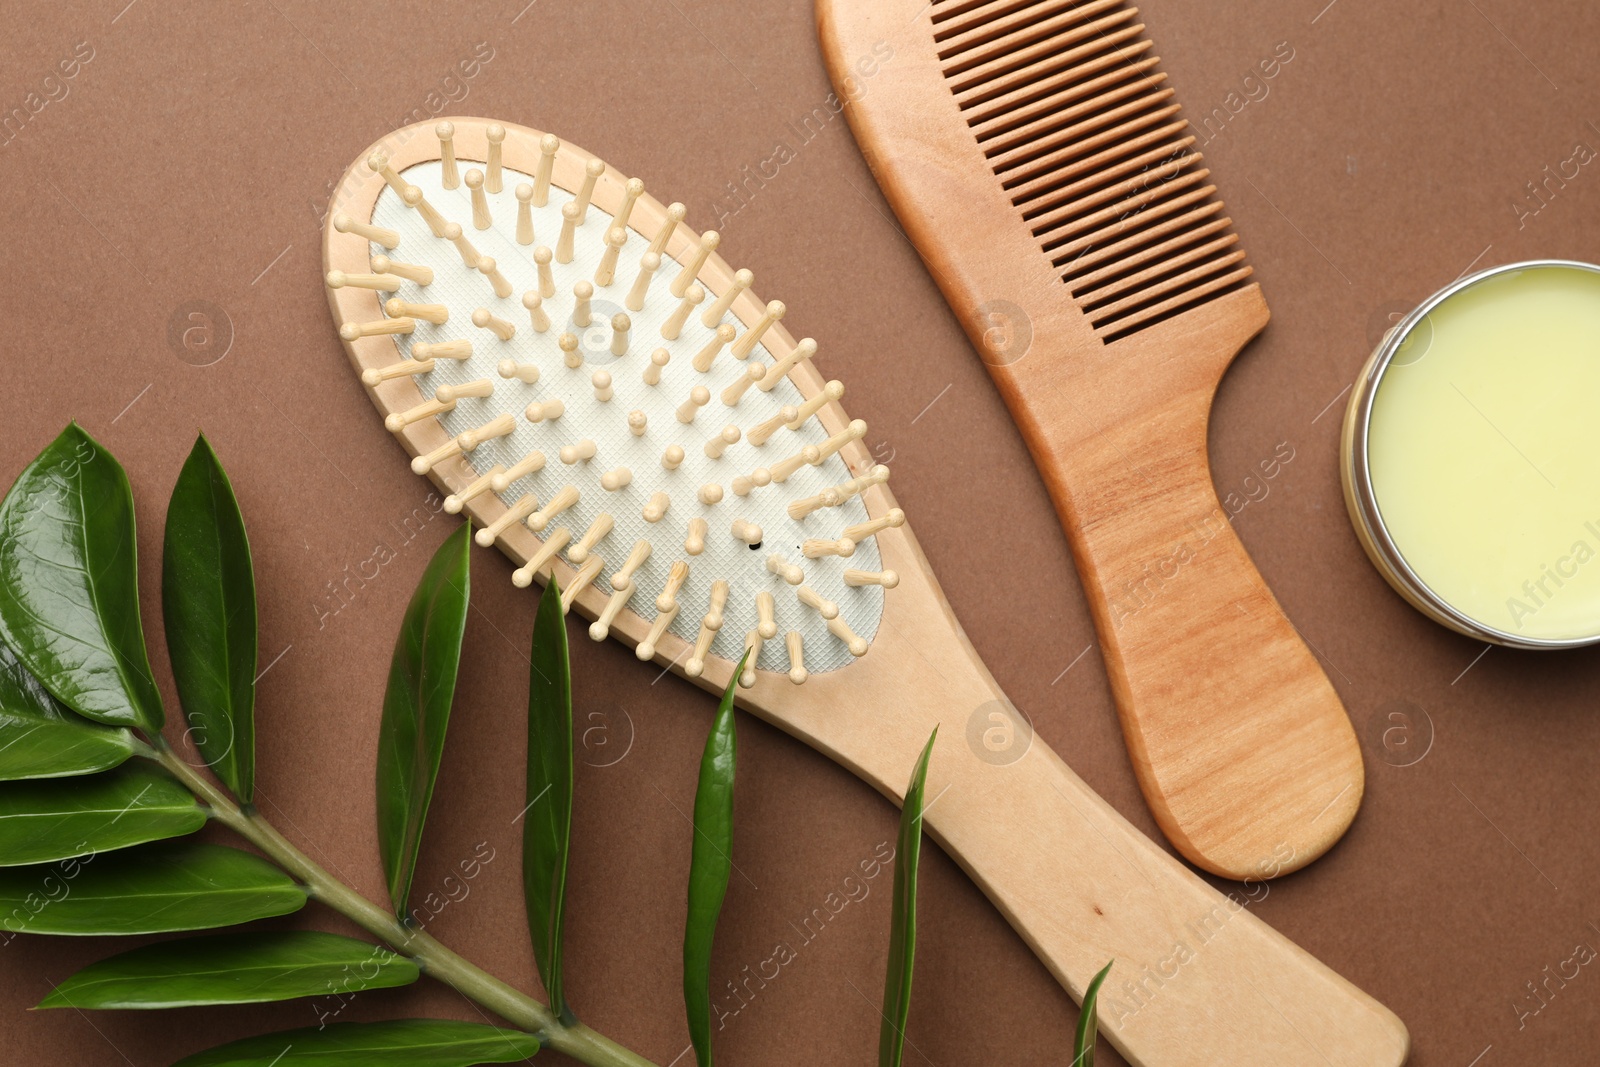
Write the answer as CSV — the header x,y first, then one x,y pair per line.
x,y
1471,455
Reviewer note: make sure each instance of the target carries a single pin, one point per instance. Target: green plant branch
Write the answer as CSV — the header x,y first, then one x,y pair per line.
x,y
572,1038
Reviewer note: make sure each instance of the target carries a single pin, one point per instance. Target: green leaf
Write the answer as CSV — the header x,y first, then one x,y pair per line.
x,y
710,862
60,818
69,583
1088,1023
179,885
903,918
41,739
250,968
400,1043
208,600
416,709
547,826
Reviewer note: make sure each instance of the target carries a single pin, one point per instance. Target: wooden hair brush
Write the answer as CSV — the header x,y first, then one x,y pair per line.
x,y
609,402
1037,161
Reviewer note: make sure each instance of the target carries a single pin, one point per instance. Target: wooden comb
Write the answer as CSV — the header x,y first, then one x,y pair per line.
x,y
494,369
1036,158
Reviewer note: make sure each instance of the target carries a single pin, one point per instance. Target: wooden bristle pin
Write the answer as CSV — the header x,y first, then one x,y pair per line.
x,y
712,315
784,569
601,381
858,533
856,486
620,326
752,643
430,214
524,214
841,629
569,228
780,370
480,388
632,190
785,467
396,421
509,518
710,623
623,578
656,509
460,349
377,234
456,501
383,283
547,279
699,397
538,317
745,484
649,263
411,272
856,579
797,657
601,627
816,548
598,529
354,331
378,163
668,600
428,460
746,531
526,373
540,410
647,648
591,174
760,432
500,426
450,174
469,255
753,375
675,214
489,269
854,432
709,494
638,422
828,498
672,458
704,358
581,452
694,542
495,135
485,319
481,219
606,271
580,581
522,577
549,145
438,314
615,479
834,390
582,305
745,345
563,500
652,371
403,369
821,604
716,609
691,270
568,343
719,444
671,328
766,614
532,463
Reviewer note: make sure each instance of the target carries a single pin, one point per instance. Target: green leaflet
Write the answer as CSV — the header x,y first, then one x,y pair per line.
x,y
249,968
69,583
400,1043
1088,1022
903,918
208,599
710,862
41,739
176,885
59,818
416,708
547,825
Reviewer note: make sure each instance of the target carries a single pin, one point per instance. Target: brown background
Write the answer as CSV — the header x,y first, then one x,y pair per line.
x,y
191,160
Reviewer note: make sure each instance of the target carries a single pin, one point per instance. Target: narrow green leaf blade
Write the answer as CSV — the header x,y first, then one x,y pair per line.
x,y
399,1043
547,820
41,739
156,889
416,708
59,818
69,583
903,918
1088,1022
710,863
249,968
208,599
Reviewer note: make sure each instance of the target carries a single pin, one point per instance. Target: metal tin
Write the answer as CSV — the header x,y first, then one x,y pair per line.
x,y
1356,474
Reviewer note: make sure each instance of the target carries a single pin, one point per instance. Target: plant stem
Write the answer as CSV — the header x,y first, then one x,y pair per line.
x,y
472,982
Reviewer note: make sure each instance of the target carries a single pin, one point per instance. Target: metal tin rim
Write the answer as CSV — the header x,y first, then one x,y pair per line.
x,y
1363,502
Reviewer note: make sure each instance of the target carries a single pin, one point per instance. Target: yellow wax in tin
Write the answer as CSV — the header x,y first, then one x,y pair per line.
x,y
1484,452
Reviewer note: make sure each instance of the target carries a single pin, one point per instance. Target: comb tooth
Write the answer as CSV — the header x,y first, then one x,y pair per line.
x,y
1045,104
780,370
586,575
704,358
753,374
403,369
522,577
675,214
480,388
1090,295
1126,214
752,644
1139,166
485,319
775,310
691,270
396,421
438,314
494,134
1169,136
538,318
450,175
563,500
600,629
532,463
955,18
481,219
549,145
1126,253
709,625
1091,97
598,529
354,331
797,657
649,263
970,34
1157,282
742,280
1028,166
591,174
524,214
856,579
1003,76
456,501
1130,323
1052,215
1023,37
389,239
623,578
507,519
998,112
1063,250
